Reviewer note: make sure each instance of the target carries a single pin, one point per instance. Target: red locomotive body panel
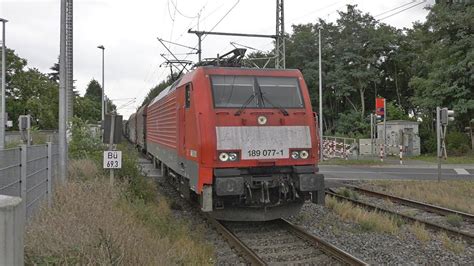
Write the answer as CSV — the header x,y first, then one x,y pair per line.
x,y
193,137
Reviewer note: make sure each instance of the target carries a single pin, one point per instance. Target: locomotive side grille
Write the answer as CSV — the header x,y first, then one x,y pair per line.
x,y
161,117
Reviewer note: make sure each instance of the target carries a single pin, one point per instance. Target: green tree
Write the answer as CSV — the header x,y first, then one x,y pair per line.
x,y
28,91
87,109
446,74
94,91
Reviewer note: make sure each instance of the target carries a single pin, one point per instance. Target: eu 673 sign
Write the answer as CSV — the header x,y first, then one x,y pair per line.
x,y
112,159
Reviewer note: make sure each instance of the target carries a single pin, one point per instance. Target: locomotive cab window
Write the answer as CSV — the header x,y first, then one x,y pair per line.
x,y
256,92
188,95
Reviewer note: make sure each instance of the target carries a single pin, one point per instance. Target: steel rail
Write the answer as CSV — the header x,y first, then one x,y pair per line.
x,y
456,233
326,247
416,204
236,243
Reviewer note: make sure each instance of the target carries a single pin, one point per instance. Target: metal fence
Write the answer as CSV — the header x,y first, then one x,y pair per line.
x,y
29,172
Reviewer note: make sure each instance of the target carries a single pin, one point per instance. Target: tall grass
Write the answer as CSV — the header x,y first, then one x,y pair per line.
x,y
454,194
368,221
92,222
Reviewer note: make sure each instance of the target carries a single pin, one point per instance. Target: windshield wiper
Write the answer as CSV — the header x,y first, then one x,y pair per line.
x,y
282,110
249,100
258,90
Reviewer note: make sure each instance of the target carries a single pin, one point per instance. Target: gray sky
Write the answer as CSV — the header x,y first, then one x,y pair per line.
x,y
128,30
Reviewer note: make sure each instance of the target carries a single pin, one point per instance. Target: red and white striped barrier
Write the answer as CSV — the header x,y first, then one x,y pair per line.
x,y
336,149
401,154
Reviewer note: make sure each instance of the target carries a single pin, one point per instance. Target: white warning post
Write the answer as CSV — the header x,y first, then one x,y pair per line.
x,y
112,159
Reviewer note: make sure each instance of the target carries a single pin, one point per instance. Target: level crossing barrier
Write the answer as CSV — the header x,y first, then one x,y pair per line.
x,y
339,147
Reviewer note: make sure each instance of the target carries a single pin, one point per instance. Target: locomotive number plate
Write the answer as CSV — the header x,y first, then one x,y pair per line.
x,y
265,154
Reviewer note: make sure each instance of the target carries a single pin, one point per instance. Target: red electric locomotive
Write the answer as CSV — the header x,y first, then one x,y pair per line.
x,y
244,142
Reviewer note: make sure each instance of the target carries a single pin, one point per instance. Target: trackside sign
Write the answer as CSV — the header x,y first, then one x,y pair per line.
x,y
112,159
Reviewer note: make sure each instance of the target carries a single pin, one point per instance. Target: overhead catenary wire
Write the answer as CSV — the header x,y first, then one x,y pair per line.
x,y
316,11
173,20
191,25
225,15
127,104
395,8
123,99
175,5
405,9
235,44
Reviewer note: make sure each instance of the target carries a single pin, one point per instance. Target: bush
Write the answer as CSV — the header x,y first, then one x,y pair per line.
x,y
351,125
84,143
457,143
139,187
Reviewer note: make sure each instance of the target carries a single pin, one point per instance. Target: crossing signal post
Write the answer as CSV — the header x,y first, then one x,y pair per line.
x,y
380,115
443,116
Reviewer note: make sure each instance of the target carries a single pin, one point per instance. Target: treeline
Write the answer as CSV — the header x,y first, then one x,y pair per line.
x,y
29,91
415,69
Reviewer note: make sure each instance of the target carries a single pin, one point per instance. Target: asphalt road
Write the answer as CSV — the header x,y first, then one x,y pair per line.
x,y
415,172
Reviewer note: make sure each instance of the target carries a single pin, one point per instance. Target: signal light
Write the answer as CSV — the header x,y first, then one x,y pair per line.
x,y
446,116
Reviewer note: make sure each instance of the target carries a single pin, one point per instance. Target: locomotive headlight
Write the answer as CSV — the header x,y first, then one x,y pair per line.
x,y
295,155
304,154
223,157
233,156
262,120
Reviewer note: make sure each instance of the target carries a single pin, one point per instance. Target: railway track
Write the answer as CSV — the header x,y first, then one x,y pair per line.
x,y
280,241
294,237
416,204
467,236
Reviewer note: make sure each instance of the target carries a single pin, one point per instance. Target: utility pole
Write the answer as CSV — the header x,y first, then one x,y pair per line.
x,y
2,94
438,141
280,35
103,88
385,128
69,62
320,98
372,134
63,154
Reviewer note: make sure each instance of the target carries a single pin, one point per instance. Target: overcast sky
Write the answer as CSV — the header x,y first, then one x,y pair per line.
x,y
128,30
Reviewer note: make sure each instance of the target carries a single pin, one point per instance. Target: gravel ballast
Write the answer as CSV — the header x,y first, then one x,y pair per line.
x,y
379,248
